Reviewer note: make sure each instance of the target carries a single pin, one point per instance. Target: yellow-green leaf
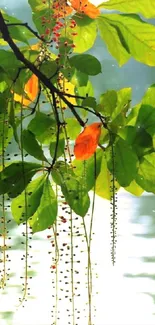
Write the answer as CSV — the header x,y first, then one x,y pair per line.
x,y
134,189
136,36
144,7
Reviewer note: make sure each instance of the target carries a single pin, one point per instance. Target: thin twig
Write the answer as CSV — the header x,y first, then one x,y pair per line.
x,y
37,101
58,130
30,29
19,55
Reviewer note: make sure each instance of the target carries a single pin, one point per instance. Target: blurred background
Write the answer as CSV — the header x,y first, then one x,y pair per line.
x,y
124,294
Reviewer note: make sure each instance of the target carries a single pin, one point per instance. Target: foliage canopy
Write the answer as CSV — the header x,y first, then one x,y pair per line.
x,y
49,65
68,141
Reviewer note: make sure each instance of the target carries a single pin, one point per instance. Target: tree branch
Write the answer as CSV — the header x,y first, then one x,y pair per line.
x,y
6,36
29,28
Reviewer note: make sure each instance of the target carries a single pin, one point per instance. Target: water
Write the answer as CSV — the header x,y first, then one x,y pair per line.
x,y
126,292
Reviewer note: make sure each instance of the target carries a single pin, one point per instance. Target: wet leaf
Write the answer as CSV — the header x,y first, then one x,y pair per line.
x,y
6,132
131,6
43,127
110,36
135,35
46,212
134,189
125,162
86,171
75,195
86,63
25,205
15,177
103,186
73,128
18,33
86,30
146,173
31,145
60,148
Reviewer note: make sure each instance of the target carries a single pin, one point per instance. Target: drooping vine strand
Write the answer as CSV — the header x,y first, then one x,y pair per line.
x,y
88,238
3,218
113,206
21,300
46,81
6,36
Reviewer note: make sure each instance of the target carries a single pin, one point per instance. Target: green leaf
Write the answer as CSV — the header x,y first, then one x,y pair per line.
x,y
73,128
9,63
60,148
30,54
60,168
134,189
86,30
72,186
147,9
22,210
39,10
86,170
3,81
149,96
85,91
76,77
147,100
15,177
115,105
103,181
4,96
46,212
110,36
146,120
6,132
89,102
146,173
136,35
108,102
22,79
43,127
123,101
19,33
65,47
125,162
31,145
49,68
75,194
132,116
13,121
86,63
137,136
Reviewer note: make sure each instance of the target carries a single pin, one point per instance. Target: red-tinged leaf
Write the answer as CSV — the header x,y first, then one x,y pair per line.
x,y
30,90
87,141
85,7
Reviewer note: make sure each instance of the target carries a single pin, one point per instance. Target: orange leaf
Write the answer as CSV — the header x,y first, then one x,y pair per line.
x,y
61,8
85,7
31,91
87,141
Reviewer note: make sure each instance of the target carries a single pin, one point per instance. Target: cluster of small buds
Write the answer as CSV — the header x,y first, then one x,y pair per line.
x,y
46,22
63,220
73,23
59,16
56,31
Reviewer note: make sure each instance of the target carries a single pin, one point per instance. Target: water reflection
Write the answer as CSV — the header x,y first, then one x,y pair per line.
x,y
123,294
